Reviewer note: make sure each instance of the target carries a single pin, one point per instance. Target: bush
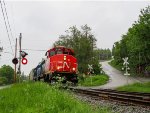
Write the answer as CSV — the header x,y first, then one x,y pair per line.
x,y
3,80
147,68
116,65
94,80
97,69
8,72
147,71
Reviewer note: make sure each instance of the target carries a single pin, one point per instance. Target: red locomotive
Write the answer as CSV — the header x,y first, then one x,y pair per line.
x,y
60,63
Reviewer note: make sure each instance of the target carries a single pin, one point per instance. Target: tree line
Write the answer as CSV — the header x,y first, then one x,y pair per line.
x,y
7,75
104,54
135,44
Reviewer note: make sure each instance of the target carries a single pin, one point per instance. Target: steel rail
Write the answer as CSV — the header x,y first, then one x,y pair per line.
x,y
121,96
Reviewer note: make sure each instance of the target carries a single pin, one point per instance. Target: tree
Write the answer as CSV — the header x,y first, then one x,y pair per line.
x,y
7,72
83,43
3,80
104,54
135,44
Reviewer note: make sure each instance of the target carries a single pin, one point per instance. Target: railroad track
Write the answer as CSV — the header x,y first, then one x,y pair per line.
x,y
132,98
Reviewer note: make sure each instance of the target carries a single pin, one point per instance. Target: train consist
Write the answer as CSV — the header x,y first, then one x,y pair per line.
x,y
60,63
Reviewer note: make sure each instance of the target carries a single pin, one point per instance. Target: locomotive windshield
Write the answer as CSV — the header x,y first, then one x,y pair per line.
x,y
52,53
61,50
68,51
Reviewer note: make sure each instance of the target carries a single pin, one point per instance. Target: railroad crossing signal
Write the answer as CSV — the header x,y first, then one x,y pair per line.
x,y
24,61
126,67
23,55
15,61
90,68
125,61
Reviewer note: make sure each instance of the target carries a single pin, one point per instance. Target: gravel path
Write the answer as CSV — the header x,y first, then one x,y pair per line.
x,y
114,107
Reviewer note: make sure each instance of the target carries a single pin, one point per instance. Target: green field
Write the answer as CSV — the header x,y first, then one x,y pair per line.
x,y
96,80
41,98
136,87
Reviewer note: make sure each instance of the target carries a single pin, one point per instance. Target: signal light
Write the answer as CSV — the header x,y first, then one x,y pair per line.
x,y
58,68
23,54
24,61
15,61
73,69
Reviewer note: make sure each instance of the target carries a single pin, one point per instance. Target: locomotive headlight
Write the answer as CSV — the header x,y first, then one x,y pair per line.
x,y
58,68
64,57
73,69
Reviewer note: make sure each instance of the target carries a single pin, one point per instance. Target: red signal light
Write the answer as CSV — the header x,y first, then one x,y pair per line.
x,y
24,61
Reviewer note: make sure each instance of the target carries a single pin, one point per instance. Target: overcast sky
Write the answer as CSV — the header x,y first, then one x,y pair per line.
x,y
42,22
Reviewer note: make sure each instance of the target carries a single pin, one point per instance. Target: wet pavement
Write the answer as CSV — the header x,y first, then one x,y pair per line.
x,y
117,78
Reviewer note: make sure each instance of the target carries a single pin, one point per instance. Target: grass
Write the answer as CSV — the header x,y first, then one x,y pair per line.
x,y
41,98
94,80
136,87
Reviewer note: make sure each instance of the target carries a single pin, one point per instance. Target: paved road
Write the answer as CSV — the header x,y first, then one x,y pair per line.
x,y
117,78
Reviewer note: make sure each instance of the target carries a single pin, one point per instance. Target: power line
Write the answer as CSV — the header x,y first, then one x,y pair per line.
x,y
8,47
8,20
6,25
34,50
6,60
8,53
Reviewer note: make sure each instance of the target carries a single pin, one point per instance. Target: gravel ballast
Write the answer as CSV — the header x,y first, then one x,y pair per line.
x,y
115,107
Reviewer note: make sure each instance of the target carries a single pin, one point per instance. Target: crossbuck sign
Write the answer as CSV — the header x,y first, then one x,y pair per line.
x,y
126,63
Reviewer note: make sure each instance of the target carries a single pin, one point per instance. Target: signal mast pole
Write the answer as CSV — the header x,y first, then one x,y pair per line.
x,y
15,64
19,68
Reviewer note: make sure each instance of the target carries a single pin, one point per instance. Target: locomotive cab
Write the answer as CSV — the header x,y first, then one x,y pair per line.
x,y
59,50
61,62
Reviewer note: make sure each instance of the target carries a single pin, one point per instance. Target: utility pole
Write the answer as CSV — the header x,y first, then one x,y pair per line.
x,y
1,50
15,64
19,68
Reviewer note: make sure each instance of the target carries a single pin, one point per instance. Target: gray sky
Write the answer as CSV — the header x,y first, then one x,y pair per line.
x,y
41,23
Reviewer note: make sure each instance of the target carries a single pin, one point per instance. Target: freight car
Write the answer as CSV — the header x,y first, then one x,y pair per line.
x,y
60,63
38,72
